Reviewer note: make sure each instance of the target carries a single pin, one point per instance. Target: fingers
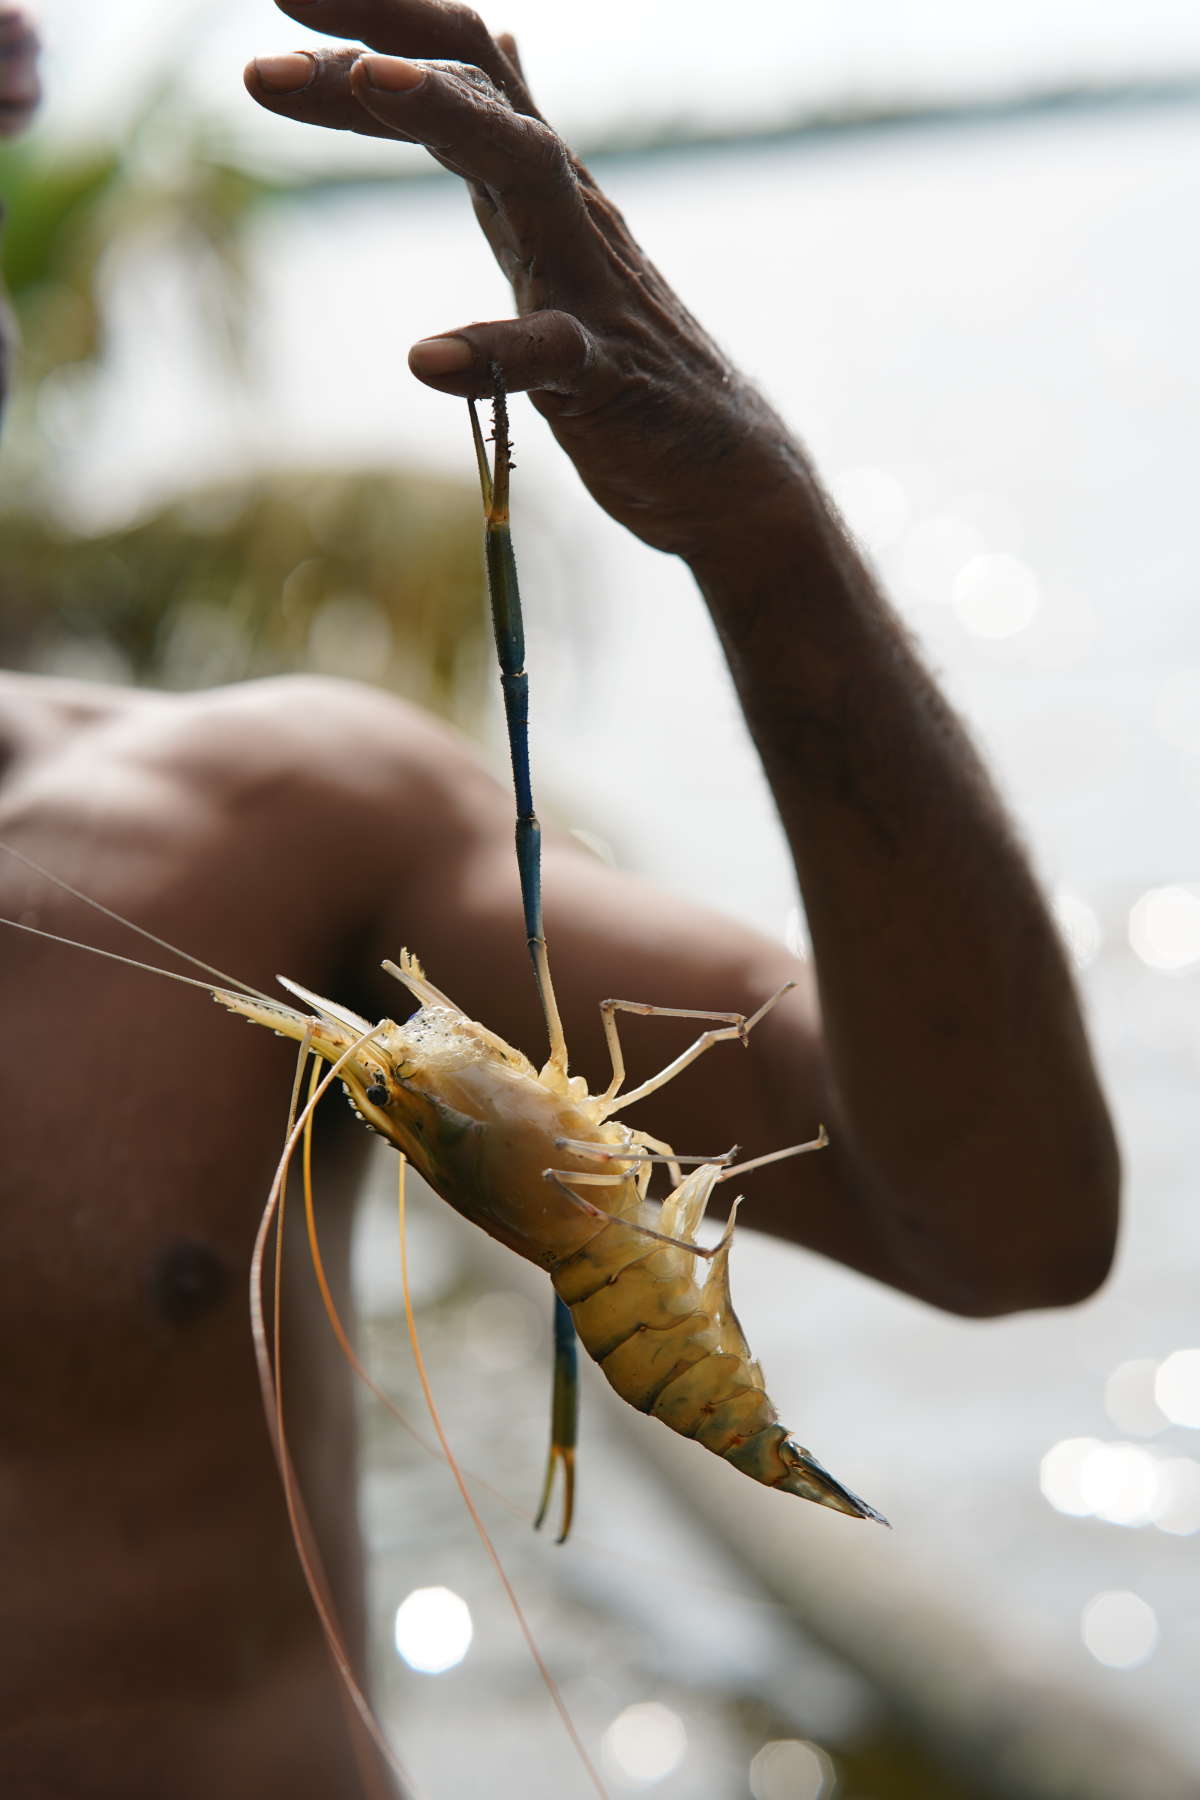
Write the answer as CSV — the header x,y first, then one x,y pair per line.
x,y
314,87
526,185
317,87
338,89
431,30
545,352
508,44
465,120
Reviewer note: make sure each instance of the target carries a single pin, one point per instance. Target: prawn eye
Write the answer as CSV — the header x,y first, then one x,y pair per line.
x,y
377,1094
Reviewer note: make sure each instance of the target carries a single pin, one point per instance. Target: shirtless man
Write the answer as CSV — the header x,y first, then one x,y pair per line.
x,y
158,1639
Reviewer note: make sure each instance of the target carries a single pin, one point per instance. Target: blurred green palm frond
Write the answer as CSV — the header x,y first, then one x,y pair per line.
x,y
359,573
373,573
71,210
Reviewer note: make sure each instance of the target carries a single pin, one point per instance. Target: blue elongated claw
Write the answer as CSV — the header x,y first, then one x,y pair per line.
x,y
509,631
564,1418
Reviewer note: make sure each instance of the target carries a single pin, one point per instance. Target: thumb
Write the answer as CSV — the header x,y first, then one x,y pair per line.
x,y
543,351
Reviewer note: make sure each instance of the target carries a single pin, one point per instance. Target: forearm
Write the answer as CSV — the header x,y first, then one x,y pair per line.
x,y
961,1081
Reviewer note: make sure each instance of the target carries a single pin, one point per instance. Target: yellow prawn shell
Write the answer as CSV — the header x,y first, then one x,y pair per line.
x,y
508,1147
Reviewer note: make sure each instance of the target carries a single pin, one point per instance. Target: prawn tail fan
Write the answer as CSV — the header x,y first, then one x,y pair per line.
x,y
654,1311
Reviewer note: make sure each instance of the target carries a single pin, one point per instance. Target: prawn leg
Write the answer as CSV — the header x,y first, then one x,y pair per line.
x,y
654,1152
509,630
737,1025
820,1142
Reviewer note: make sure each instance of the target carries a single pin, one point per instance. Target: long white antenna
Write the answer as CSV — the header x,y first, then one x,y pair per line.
x,y
197,962
131,962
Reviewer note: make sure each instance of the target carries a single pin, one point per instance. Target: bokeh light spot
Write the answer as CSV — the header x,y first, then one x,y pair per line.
x,y
1129,1398
1119,1629
934,553
1120,1483
1123,1484
874,505
1177,1510
1164,928
996,595
433,1630
646,1742
1061,1475
791,1769
1080,927
1177,1387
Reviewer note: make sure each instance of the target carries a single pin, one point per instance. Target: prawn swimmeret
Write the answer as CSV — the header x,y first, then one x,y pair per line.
x,y
547,1168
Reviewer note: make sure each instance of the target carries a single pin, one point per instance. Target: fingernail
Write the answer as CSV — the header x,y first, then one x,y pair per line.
x,y
286,74
392,74
441,356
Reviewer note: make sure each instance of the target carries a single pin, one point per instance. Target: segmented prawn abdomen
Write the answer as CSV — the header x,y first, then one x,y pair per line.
x,y
659,1321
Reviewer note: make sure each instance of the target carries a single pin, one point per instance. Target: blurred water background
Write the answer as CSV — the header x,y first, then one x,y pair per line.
x,y
958,249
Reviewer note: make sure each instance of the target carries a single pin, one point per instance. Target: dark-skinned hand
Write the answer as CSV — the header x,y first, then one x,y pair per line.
x,y
663,431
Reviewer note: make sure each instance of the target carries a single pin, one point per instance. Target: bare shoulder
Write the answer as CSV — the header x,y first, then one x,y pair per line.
x,y
360,798
257,754
328,781
283,716
38,712
314,743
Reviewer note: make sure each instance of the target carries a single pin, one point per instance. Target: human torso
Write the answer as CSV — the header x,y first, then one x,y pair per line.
x,y
159,1638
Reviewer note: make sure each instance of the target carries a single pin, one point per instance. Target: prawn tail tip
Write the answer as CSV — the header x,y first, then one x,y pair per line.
x,y
811,1481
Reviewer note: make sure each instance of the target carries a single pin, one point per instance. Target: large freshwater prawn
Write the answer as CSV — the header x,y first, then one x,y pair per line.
x,y
547,1168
